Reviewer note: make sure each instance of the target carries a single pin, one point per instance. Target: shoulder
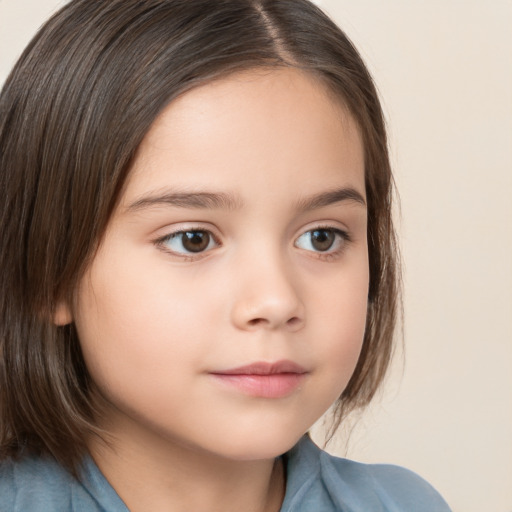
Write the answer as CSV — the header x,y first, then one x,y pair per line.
x,y
33,483
40,484
395,487
341,484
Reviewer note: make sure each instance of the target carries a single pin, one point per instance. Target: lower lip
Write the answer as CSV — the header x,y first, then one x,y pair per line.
x,y
277,385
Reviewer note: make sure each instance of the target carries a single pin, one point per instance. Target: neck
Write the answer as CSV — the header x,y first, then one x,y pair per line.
x,y
159,475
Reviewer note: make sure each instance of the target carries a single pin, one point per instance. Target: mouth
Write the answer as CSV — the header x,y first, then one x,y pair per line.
x,y
262,379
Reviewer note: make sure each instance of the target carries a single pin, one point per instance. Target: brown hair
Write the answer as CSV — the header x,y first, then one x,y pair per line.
x,y
73,112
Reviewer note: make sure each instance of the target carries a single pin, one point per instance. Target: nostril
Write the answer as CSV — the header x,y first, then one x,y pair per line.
x,y
256,321
292,322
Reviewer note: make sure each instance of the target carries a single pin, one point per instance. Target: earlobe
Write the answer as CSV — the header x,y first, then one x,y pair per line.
x,y
62,314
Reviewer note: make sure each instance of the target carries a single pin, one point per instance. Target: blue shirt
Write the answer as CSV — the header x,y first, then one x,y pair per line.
x,y
316,482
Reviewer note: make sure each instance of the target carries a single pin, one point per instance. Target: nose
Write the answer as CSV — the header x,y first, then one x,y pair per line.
x,y
267,298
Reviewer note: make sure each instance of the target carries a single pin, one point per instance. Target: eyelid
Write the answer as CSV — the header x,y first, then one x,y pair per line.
x,y
328,226
328,254
159,241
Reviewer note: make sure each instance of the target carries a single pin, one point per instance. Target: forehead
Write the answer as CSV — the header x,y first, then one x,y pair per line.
x,y
279,125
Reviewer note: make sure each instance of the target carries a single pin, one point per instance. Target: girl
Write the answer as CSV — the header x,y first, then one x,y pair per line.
x,y
198,260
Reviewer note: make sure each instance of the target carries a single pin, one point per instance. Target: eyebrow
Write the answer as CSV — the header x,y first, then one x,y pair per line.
x,y
329,198
194,200
227,201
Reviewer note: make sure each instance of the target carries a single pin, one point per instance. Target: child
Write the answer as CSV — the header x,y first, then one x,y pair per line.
x,y
198,260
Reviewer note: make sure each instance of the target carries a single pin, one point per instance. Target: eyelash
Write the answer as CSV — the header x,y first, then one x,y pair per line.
x,y
342,239
187,256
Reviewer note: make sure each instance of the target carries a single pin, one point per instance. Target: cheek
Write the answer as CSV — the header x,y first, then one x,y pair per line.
x,y
133,321
136,324
340,326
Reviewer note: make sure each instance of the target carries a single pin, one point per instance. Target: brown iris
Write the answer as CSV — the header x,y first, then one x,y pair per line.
x,y
322,239
195,241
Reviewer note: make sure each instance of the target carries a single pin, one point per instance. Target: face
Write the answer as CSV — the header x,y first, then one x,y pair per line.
x,y
225,309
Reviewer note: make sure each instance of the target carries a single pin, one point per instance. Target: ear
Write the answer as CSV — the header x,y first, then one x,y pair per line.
x,y
62,314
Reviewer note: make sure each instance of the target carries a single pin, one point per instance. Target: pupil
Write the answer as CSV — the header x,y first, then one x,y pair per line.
x,y
195,241
322,239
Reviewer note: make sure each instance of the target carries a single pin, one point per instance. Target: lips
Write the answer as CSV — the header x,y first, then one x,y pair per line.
x,y
262,379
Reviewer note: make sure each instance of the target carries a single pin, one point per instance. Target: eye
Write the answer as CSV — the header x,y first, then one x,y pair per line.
x,y
325,240
191,241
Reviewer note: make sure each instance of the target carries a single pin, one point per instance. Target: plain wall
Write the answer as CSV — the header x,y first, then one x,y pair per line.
x,y
445,74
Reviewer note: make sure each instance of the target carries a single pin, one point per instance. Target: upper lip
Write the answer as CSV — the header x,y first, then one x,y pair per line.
x,y
264,368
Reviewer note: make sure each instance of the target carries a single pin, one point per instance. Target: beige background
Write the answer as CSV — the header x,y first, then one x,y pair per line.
x,y
444,69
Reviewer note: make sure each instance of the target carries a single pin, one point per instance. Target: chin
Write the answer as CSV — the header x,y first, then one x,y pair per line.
x,y
265,445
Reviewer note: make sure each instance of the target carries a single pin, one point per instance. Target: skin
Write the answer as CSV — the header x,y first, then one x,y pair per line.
x,y
155,321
